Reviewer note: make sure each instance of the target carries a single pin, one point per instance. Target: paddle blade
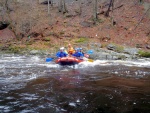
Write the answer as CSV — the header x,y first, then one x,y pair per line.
x,y
49,59
90,60
90,52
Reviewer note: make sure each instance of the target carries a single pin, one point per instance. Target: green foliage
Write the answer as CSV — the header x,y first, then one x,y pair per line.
x,y
15,49
54,34
81,40
47,39
104,45
119,48
47,43
61,32
100,20
30,42
144,54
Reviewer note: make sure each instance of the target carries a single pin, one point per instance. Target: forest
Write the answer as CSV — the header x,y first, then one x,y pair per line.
x,y
44,24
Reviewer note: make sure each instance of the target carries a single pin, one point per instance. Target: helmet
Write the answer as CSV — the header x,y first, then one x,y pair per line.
x,y
77,49
62,48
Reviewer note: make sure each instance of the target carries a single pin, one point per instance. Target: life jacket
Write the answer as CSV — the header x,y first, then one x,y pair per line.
x,y
61,54
78,54
71,50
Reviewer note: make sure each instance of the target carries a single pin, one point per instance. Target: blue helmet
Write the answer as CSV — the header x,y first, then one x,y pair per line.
x,y
77,49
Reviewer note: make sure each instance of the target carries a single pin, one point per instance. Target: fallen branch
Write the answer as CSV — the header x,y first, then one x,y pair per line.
x,y
118,7
141,18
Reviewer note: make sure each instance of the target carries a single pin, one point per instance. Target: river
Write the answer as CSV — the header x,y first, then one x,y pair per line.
x,y
28,84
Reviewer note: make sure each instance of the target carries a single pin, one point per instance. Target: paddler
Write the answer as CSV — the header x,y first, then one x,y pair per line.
x,y
61,53
70,49
78,54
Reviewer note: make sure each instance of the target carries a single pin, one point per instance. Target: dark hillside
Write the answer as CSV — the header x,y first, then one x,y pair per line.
x,y
128,24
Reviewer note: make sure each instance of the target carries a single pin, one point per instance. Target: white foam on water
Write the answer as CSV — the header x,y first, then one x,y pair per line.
x,y
49,65
35,59
135,63
31,77
114,62
94,63
23,62
72,104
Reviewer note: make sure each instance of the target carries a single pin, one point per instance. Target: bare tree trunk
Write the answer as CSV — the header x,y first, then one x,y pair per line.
x,y
80,7
52,3
95,11
64,10
48,7
110,5
141,1
30,21
112,17
142,18
6,4
62,6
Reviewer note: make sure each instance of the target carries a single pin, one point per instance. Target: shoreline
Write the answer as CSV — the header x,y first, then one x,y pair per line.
x,y
112,52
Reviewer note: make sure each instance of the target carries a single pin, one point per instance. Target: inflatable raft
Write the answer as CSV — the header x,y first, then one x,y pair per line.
x,y
68,61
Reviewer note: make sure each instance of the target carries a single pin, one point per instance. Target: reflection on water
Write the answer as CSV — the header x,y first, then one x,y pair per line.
x,y
28,84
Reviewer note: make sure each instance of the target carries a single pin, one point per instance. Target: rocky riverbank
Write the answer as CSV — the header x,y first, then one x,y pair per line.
x,y
110,52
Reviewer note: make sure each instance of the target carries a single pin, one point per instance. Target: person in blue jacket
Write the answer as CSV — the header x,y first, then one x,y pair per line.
x,y
78,54
61,53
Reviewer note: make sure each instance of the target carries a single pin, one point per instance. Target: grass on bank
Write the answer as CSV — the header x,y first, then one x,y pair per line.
x,y
144,54
81,40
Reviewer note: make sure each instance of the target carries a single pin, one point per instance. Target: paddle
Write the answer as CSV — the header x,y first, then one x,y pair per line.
x,y
49,59
87,59
90,60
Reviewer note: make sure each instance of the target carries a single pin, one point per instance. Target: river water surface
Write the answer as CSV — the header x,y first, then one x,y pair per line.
x,y
28,84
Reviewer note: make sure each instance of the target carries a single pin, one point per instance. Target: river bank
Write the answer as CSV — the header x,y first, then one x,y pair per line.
x,y
110,52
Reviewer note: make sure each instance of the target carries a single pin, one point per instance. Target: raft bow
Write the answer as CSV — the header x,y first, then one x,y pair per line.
x,y
68,61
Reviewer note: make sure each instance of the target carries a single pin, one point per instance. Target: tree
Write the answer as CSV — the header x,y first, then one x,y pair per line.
x,y
111,4
141,1
7,5
80,7
111,8
95,17
48,7
62,6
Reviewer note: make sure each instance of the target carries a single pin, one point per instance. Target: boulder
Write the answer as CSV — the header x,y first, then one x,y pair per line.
x,y
131,51
147,46
111,47
6,35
